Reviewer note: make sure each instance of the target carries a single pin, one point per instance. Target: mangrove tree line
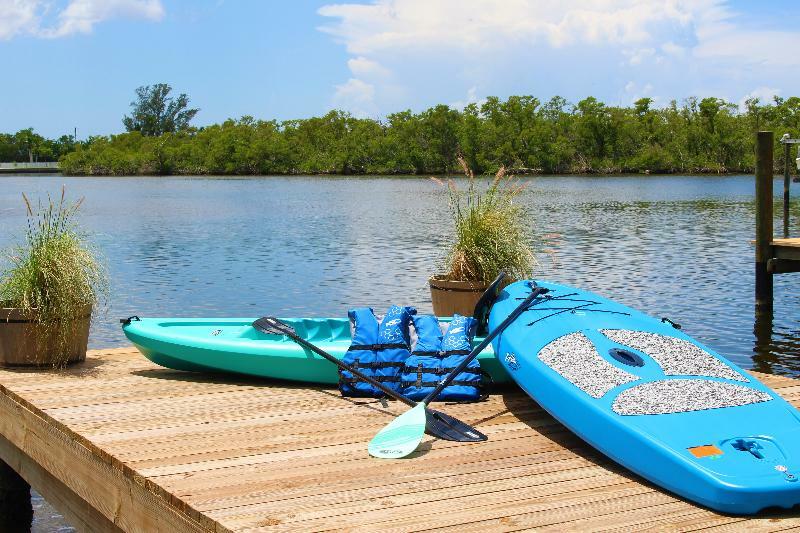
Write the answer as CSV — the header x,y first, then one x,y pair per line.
x,y
706,135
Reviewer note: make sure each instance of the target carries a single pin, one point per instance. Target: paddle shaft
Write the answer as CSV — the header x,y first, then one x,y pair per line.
x,y
479,348
344,366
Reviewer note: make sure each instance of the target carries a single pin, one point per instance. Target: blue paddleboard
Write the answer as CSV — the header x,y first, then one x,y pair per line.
x,y
652,398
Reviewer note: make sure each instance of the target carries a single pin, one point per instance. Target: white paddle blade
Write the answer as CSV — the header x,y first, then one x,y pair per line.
x,y
401,436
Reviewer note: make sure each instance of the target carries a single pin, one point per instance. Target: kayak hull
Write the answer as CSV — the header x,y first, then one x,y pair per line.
x,y
697,426
232,345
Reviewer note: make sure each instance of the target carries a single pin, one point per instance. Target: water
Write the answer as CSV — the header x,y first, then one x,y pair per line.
x,y
306,246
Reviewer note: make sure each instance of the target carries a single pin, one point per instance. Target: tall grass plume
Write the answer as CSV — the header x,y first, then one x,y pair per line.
x,y
55,274
490,234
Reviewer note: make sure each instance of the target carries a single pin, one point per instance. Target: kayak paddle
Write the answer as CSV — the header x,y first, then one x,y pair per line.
x,y
403,434
436,423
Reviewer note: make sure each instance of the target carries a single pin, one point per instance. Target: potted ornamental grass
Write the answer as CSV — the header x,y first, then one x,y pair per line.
x,y
489,237
49,286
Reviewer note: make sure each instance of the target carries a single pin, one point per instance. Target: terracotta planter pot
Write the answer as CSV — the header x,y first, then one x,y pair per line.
x,y
23,342
450,297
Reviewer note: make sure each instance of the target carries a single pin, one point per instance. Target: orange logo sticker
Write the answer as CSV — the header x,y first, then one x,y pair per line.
x,y
705,451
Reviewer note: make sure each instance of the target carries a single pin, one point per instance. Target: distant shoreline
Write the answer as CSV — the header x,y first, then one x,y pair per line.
x,y
778,174
528,136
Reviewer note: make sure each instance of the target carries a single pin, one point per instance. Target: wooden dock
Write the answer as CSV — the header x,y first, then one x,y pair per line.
x,y
786,249
118,442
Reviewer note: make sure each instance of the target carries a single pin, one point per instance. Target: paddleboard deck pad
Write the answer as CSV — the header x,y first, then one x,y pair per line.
x,y
652,398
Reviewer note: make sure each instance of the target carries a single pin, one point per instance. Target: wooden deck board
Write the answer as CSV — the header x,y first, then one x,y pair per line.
x,y
793,242
787,249
120,442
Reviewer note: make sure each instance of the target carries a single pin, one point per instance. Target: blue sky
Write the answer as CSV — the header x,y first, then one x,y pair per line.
x,y
76,63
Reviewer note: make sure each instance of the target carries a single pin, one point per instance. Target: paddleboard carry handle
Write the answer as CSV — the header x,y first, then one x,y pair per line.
x,y
666,320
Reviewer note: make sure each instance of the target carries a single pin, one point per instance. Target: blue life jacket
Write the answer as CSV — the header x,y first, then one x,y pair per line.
x,y
378,350
436,355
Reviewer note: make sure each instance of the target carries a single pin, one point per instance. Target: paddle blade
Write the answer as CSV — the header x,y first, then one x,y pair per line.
x,y
401,436
272,326
485,303
446,427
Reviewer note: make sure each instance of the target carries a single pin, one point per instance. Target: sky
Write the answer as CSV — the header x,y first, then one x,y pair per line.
x,y
68,64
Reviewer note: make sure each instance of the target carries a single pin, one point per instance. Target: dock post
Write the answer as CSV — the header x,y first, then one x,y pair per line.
x,y
786,183
764,360
764,230
16,511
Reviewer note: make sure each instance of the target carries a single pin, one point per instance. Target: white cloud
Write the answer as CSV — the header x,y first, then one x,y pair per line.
x,y
363,67
17,16
356,96
78,16
386,24
635,57
673,49
764,95
765,47
437,51
472,98
634,91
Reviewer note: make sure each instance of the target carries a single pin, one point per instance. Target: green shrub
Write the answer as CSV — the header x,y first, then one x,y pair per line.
x,y
55,274
490,234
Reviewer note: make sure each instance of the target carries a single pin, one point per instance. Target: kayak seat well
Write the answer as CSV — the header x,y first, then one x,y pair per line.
x,y
325,330
311,329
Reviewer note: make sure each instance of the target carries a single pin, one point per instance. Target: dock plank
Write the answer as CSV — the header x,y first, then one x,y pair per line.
x,y
790,242
788,249
120,443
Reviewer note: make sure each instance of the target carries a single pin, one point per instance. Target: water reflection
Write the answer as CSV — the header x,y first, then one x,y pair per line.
x,y
670,246
777,347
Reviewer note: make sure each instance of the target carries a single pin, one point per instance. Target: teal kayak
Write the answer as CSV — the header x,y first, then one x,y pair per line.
x,y
233,345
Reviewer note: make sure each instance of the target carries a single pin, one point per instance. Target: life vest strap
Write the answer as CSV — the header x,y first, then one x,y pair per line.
x,y
462,383
377,347
442,354
444,371
378,364
381,379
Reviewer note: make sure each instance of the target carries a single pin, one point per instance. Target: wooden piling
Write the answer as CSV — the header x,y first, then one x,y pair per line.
x,y
16,511
786,183
764,230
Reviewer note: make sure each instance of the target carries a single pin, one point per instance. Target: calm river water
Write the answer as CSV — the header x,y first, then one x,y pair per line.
x,y
307,246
